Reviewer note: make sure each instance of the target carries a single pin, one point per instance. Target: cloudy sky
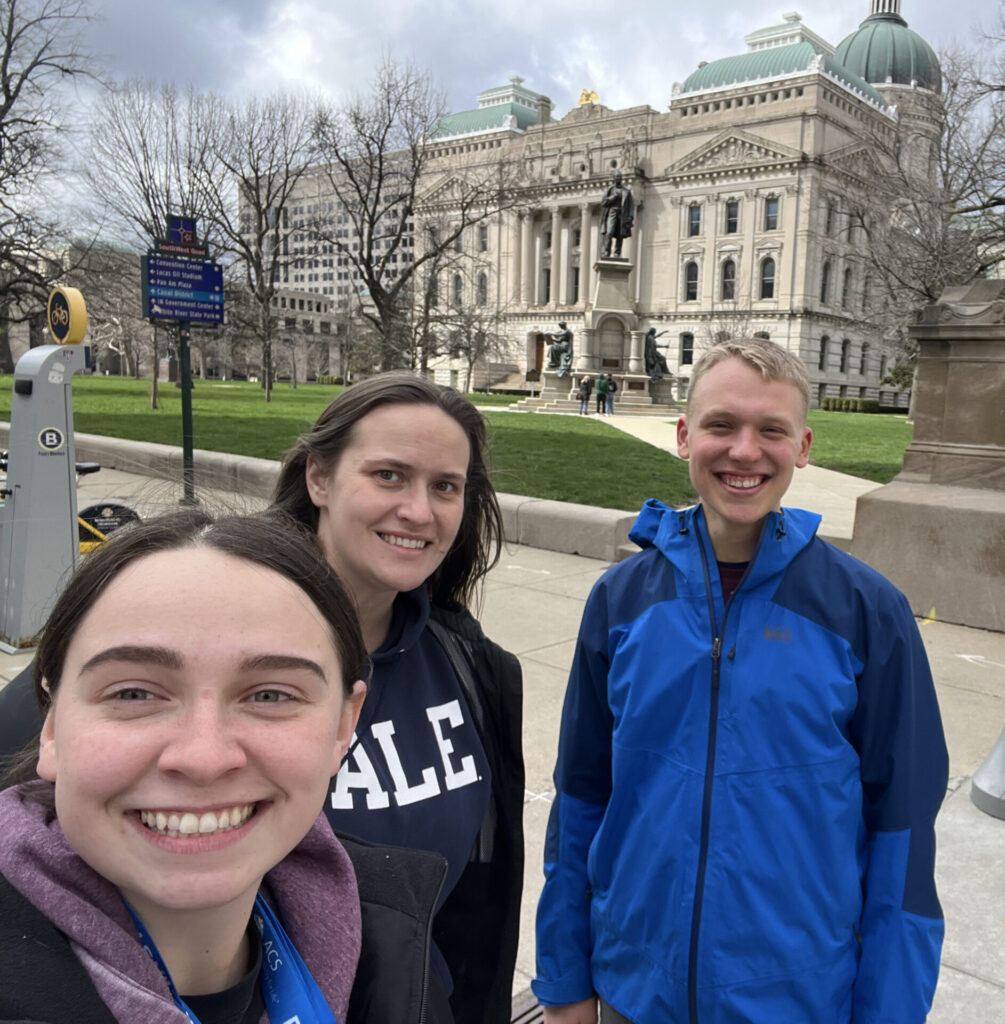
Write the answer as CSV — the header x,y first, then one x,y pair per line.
x,y
631,52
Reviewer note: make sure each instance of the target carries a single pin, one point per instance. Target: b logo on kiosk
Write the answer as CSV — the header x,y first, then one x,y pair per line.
x,y
67,316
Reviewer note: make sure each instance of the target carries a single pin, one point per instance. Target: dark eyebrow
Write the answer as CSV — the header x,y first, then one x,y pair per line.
x,y
398,464
283,661
135,653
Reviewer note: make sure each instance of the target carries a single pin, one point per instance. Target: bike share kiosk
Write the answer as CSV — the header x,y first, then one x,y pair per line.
x,y
38,514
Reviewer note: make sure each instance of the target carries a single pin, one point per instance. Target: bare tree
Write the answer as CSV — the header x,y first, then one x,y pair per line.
x,y
251,160
377,151
929,212
40,50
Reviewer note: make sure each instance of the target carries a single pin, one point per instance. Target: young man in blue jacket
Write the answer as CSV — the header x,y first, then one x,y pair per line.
x,y
751,756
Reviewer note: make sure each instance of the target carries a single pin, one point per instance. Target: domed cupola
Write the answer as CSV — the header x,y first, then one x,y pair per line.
x,y
884,51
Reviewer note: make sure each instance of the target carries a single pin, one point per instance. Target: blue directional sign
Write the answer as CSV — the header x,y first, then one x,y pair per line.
x,y
177,289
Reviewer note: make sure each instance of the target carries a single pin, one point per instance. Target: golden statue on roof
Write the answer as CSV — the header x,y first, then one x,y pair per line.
x,y
588,96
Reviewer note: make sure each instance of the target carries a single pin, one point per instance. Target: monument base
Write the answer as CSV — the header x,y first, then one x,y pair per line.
x,y
553,386
941,545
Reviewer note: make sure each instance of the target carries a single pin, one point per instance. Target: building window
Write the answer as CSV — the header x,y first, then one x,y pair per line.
x,y
483,289
768,278
882,369
729,280
686,349
547,239
458,289
863,361
732,217
434,290
546,283
575,285
694,220
829,220
691,281
824,345
483,238
825,282
771,213
458,245
846,287
845,349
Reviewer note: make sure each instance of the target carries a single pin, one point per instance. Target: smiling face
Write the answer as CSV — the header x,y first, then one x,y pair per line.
x,y
743,437
390,510
198,720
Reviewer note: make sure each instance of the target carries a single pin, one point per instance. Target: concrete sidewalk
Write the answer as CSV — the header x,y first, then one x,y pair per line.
x,y
532,605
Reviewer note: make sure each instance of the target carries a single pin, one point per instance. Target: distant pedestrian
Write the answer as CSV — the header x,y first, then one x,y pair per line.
x,y
601,394
585,390
612,387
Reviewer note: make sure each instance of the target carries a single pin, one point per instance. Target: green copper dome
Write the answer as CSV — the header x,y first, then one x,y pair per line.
x,y
885,50
771,63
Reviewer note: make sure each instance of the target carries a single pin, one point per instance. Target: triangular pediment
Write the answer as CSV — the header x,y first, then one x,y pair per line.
x,y
857,161
733,148
448,189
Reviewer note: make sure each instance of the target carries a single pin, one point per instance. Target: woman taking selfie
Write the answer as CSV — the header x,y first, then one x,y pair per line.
x,y
393,479
200,687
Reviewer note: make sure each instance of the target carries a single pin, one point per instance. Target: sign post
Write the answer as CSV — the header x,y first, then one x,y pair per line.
x,y
183,291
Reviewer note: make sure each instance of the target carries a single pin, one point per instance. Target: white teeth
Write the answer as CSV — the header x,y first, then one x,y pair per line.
x,y
191,824
402,542
743,482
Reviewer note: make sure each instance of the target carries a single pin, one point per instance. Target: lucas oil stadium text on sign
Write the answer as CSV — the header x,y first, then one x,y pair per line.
x,y
177,289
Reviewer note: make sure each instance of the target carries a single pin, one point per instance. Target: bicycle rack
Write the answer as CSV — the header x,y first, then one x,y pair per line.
x,y
38,514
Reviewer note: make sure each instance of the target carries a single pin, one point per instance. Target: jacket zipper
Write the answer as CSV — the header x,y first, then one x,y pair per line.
x,y
706,799
424,1002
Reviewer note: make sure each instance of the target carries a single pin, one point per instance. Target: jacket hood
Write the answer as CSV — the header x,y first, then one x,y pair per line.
x,y
313,891
783,535
409,616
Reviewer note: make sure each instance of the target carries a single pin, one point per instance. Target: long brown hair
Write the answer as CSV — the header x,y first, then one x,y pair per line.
x,y
479,539
284,547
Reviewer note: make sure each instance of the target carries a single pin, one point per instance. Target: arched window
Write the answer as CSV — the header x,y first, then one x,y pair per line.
x,y
768,278
846,287
690,281
729,280
458,289
866,293
845,349
863,363
824,353
483,289
882,369
825,281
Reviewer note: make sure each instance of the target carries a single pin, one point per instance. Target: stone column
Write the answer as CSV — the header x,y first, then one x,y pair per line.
x,y
585,254
556,256
565,258
636,361
595,249
515,256
536,264
587,361
527,289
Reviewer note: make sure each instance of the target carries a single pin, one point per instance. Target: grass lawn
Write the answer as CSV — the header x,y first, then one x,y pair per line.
x,y
862,444
562,457
558,457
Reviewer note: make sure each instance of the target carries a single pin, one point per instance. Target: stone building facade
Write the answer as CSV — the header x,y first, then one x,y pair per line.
x,y
741,187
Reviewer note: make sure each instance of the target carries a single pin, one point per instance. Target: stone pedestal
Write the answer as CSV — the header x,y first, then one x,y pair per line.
x,y
938,530
612,293
553,386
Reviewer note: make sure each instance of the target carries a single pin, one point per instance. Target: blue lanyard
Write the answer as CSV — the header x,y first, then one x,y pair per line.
x,y
291,994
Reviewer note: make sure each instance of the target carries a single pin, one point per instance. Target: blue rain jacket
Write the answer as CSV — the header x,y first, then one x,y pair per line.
x,y
743,828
